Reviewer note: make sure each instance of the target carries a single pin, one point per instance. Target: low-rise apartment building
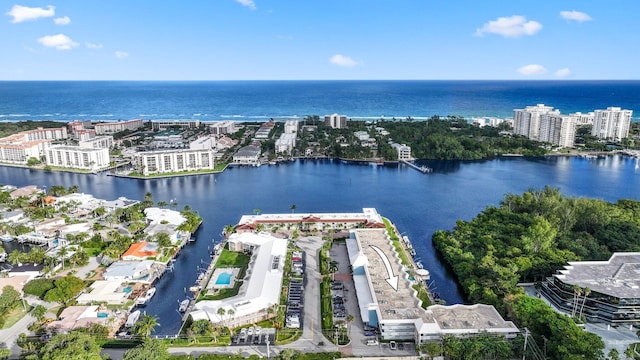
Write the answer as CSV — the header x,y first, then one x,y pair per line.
x,y
117,126
167,161
77,157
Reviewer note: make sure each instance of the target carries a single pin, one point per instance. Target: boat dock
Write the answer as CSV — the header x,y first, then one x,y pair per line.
x,y
422,169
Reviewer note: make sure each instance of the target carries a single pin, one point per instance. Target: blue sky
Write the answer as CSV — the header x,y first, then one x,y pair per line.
x,y
318,39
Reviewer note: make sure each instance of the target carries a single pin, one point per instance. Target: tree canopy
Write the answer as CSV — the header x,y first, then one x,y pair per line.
x,y
530,236
73,346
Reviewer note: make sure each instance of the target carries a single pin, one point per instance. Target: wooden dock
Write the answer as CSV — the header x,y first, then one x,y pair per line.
x,y
422,169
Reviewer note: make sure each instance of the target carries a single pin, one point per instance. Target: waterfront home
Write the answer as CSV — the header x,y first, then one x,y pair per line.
x,y
140,251
135,271
106,291
77,317
157,215
26,191
247,155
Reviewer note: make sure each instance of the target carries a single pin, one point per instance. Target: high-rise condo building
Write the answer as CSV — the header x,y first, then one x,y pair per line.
x,y
336,121
559,130
611,124
527,121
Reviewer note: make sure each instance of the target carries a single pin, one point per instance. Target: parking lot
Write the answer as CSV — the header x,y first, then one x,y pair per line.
x,y
254,335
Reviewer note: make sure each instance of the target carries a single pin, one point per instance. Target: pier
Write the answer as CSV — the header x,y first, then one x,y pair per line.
x,y
422,169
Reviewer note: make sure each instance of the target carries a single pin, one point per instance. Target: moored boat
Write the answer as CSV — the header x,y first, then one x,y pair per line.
x,y
132,319
144,299
184,304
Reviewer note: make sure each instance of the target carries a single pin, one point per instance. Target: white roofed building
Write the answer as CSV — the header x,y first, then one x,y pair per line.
x,y
392,306
261,287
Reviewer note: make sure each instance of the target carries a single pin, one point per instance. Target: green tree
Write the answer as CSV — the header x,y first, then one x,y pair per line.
x,y
65,290
146,325
150,349
73,346
162,204
8,298
293,208
38,312
163,239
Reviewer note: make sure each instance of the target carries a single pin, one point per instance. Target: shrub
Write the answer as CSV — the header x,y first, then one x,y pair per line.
x,y
38,287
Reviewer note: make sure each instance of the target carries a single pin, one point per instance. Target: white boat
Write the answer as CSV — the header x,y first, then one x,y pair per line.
x,y
184,304
144,299
132,319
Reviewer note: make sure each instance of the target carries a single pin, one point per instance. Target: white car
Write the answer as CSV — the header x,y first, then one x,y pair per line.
x,y
250,331
257,331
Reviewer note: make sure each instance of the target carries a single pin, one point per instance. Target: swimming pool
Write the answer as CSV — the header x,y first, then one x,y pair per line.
x,y
224,278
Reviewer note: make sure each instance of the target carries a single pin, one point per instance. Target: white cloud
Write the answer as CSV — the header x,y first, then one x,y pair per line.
x,y
92,45
532,69
564,72
65,20
342,60
512,26
248,3
575,15
121,54
21,13
59,42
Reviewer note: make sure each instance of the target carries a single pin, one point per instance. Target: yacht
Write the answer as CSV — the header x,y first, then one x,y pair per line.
x,y
144,299
132,319
184,304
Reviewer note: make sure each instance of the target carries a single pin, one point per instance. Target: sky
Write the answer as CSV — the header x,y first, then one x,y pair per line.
x,y
319,40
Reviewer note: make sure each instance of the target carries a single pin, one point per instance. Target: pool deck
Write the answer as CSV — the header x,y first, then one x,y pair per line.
x,y
212,283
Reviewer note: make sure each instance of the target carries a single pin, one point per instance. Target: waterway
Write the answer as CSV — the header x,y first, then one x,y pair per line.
x,y
417,203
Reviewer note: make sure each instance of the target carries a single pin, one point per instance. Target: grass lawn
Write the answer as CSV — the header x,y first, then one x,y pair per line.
x,y
14,315
232,259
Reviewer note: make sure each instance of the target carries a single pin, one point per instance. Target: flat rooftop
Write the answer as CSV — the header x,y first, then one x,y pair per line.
x,y
619,276
392,304
469,317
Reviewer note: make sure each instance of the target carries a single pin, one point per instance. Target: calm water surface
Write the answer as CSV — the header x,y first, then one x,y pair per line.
x,y
417,203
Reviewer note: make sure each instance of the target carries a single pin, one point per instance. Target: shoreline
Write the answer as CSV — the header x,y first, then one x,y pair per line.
x,y
347,161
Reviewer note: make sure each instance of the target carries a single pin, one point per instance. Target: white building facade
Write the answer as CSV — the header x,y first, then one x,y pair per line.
x,y
222,127
336,121
559,130
154,162
117,126
77,157
527,121
98,142
612,123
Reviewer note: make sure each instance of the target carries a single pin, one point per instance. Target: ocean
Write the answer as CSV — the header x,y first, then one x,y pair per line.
x,y
262,100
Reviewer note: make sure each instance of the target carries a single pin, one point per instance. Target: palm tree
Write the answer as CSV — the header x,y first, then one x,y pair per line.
x,y
146,325
221,312
162,204
62,253
587,292
293,208
228,230
257,211
15,257
577,291
231,312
